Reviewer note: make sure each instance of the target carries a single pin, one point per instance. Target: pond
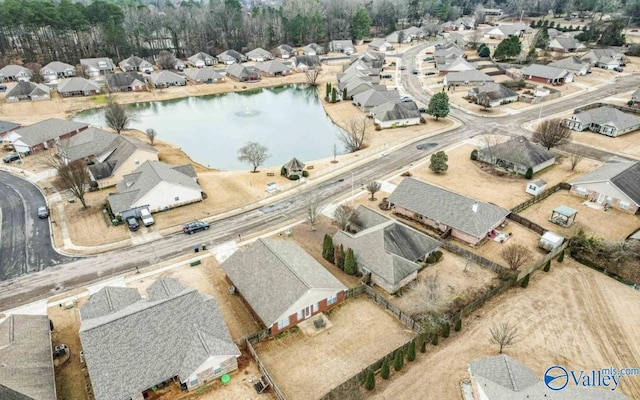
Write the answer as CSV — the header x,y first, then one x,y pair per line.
x,y
289,120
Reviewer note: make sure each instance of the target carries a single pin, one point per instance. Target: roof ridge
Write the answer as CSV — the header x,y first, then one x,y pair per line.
x,y
201,337
511,377
286,264
107,293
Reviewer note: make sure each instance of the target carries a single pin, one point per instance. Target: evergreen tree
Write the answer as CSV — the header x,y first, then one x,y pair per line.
x,y
385,371
370,380
411,351
529,173
334,95
525,281
484,51
350,266
341,258
561,256
361,24
434,341
398,361
327,248
446,330
423,347
458,326
438,162
508,48
541,39
438,105
344,94
612,34
547,266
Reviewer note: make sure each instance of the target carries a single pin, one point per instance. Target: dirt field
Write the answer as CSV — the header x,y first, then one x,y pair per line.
x,y
572,316
464,177
611,224
308,367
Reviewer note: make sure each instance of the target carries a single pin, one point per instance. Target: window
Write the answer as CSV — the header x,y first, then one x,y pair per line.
x,y
177,198
581,191
217,370
623,204
332,299
136,161
193,382
283,323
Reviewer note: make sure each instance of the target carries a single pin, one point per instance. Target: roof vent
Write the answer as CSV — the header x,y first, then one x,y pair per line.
x,y
474,207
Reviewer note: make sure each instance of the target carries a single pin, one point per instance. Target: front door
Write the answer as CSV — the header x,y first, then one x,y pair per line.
x,y
601,198
307,312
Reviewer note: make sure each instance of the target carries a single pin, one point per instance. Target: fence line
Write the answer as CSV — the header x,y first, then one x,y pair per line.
x,y
481,261
398,313
546,193
353,292
596,105
264,372
541,263
469,308
527,223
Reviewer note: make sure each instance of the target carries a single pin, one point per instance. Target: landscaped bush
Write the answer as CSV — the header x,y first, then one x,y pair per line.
x,y
411,351
305,174
529,173
547,266
398,362
515,85
561,256
458,325
294,177
406,173
438,254
446,330
283,171
431,259
370,380
434,341
385,371
423,347
474,154
525,281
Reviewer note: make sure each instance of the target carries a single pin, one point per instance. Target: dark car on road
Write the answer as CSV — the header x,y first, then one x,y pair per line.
x,y
195,226
10,158
133,224
43,212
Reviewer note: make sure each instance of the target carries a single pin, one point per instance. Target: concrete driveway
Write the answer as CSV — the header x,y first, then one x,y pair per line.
x,y
25,240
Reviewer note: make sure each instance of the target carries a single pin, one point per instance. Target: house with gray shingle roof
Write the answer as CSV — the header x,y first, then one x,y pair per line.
x,y
457,65
126,82
504,30
231,56
204,75
393,114
605,120
156,186
573,64
26,354
565,44
165,79
6,127
496,94
244,74
467,219
380,44
28,91
546,74
259,54
385,248
471,77
447,53
273,68
45,134
132,343
608,58
136,64
616,183
15,73
285,51
503,378
303,63
342,46
282,283
518,154
78,86
57,70
313,49
97,68
372,98
201,60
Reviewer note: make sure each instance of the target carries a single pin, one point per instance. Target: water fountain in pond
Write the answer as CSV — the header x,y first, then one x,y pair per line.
x,y
247,112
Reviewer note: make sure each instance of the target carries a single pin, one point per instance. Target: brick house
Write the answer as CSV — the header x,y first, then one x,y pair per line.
x,y
281,283
44,134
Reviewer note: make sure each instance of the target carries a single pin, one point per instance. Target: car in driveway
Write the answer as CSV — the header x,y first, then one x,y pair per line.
x,y
10,158
194,226
133,224
430,73
43,212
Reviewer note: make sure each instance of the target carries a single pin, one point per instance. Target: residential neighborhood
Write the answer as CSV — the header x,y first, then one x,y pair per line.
x,y
319,200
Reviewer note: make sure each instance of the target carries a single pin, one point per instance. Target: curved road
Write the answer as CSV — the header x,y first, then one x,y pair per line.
x,y
83,271
25,243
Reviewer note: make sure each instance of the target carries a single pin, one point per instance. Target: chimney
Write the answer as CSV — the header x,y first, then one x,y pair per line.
x,y
474,207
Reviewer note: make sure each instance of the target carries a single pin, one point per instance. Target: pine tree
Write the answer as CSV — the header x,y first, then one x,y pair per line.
x,y
325,247
525,281
508,48
423,347
529,173
370,380
458,326
547,266
411,351
341,258
438,105
350,266
334,95
446,330
398,361
561,256
385,371
344,94
434,341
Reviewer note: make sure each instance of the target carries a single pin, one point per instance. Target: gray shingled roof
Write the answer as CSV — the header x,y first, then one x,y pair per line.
x,y
10,394
6,126
201,56
449,208
134,62
26,88
337,45
396,110
26,357
12,70
97,64
171,333
272,275
294,164
259,52
544,71
87,143
57,67
203,74
608,116
468,76
520,150
494,91
572,63
389,248
625,175
231,54
272,67
315,47
373,97
147,176
566,42
77,84
602,55
48,129
124,79
165,77
240,71
504,371
309,61
116,155
459,64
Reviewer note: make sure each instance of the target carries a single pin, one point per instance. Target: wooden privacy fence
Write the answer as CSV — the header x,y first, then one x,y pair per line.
x,y
527,223
481,261
541,263
469,308
541,196
398,313
264,372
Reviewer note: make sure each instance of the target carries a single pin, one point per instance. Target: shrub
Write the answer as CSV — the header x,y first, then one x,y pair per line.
x,y
327,249
438,254
423,347
411,351
434,341
547,266
406,173
283,171
370,380
484,52
385,371
305,174
431,259
529,173
446,330
294,177
344,94
458,325
341,258
561,256
398,361
350,266
474,154
525,281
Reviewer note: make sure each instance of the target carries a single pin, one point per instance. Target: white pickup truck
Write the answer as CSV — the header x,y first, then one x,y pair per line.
x,y
146,217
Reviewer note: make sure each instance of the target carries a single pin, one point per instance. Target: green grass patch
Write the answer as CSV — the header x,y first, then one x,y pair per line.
x,y
100,99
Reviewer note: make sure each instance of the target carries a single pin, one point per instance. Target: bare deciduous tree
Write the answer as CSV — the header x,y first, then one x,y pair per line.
x,y
475,38
354,136
373,187
151,134
312,75
166,60
490,142
313,208
504,334
551,133
117,117
516,255
574,159
344,215
73,176
253,153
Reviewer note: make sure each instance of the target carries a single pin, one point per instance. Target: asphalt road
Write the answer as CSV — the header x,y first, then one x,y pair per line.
x,y
92,269
25,242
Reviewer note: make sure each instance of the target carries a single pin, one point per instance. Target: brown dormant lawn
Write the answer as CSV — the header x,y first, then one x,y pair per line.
x,y
572,316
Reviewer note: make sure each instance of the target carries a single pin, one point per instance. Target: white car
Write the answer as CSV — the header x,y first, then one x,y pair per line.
x,y
146,217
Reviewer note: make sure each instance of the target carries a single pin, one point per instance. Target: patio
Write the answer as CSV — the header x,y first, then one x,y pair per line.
x,y
563,216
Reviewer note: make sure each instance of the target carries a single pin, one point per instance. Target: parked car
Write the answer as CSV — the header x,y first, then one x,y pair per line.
x,y
405,99
427,59
3,88
132,223
429,73
618,69
146,217
422,110
402,68
43,212
195,226
10,158
416,71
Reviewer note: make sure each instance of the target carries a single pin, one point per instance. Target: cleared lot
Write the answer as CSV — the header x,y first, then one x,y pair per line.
x,y
572,316
308,367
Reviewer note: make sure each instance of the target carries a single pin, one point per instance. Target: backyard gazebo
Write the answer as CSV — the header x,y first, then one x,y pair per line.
x,y
293,167
563,216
